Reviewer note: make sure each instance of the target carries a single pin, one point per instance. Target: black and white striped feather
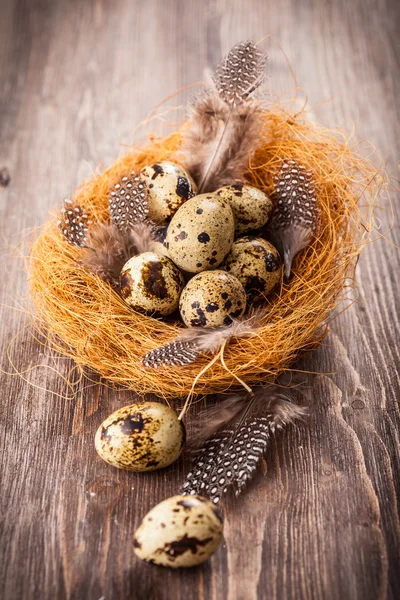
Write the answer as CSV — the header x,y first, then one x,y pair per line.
x,y
236,442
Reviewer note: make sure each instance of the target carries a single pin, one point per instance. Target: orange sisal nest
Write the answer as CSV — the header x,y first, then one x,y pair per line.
x,y
85,319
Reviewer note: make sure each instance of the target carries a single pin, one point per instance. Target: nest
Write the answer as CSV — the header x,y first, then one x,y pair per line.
x,y
85,319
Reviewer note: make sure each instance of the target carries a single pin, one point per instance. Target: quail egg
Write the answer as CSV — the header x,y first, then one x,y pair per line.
x,y
201,233
159,244
212,298
251,207
256,263
182,531
168,186
144,436
151,283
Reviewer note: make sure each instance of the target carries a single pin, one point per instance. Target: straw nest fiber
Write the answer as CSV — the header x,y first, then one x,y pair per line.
x,y
85,319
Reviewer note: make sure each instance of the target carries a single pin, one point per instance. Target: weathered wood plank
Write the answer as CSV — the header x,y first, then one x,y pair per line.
x,y
323,523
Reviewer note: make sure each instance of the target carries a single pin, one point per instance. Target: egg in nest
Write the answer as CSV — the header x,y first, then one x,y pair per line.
x,y
212,298
181,531
168,187
256,264
144,436
201,233
251,207
151,283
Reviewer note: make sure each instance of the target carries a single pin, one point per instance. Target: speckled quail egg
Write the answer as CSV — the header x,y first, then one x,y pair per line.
x,y
212,298
151,283
168,186
159,244
256,263
201,233
141,437
251,207
182,531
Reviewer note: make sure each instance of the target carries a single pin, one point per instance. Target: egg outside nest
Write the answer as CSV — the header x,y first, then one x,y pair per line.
x,y
144,436
181,531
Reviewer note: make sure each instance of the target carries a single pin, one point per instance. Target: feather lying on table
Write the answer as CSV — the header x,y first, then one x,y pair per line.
x,y
234,438
108,248
225,121
192,342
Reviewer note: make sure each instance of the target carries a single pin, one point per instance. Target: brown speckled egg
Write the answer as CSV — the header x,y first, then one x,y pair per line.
x,y
159,245
182,531
141,437
201,233
168,187
212,298
151,283
256,263
251,207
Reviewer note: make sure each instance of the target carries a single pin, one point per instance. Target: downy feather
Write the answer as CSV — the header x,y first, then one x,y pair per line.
x,y
108,248
225,122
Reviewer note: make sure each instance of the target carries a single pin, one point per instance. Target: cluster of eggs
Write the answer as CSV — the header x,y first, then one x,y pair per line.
x,y
206,260
181,531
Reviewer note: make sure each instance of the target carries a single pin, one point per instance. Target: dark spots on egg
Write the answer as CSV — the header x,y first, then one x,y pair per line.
x,y
185,544
200,320
227,320
126,282
158,170
196,304
212,261
272,263
224,295
203,237
236,313
181,236
228,304
183,188
132,423
105,434
152,464
154,281
212,307
198,265
199,211
214,253
238,187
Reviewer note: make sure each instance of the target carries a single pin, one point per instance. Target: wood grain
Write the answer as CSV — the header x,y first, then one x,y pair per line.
x,y
323,523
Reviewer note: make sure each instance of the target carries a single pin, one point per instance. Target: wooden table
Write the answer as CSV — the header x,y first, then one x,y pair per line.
x,y
76,79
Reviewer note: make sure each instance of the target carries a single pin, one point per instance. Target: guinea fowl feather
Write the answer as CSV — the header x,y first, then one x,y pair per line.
x,y
234,438
192,342
225,122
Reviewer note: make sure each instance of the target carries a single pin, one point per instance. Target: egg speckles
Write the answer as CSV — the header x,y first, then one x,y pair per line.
x,y
141,437
159,244
212,298
251,207
201,233
168,187
256,263
182,531
151,283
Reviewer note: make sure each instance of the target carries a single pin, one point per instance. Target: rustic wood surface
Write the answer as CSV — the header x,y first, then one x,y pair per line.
x,y
76,79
